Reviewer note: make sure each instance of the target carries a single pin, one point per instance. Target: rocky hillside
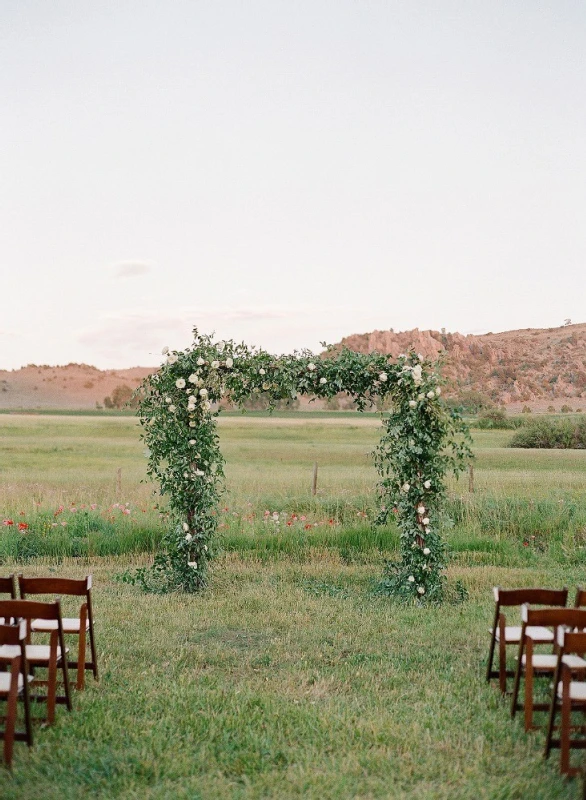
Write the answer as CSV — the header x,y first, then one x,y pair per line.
x,y
534,367
540,368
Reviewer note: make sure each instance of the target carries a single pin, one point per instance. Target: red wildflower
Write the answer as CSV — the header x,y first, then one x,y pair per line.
x,y
8,522
22,526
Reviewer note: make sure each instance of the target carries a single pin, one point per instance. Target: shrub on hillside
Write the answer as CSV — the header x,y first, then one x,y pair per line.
x,y
496,418
552,433
470,402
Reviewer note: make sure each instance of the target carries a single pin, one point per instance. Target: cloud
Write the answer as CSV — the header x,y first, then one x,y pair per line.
x,y
131,269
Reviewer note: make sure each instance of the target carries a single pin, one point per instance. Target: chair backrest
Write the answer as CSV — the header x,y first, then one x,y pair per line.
x,y
30,609
535,597
554,617
13,634
571,641
56,586
7,586
580,597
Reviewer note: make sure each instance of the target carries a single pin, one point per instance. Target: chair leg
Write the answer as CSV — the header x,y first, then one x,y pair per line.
x,y
80,684
94,653
529,686
10,719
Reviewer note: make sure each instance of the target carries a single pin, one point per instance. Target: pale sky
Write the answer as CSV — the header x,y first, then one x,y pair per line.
x,y
286,173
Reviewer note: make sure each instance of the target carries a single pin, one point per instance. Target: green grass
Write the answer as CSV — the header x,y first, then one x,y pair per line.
x,y
289,677
289,681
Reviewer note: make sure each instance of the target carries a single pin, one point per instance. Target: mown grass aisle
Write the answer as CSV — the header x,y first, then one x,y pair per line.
x,y
289,680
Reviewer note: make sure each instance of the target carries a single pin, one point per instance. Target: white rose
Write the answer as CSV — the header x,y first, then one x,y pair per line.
x,y
203,392
200,361
192,424
165,351
229,363
185,526
172,359
421,396
431,395
427,484
426,551
425,521
192,442
180,383
199,473
438,391
192,564
188,537
383,377
322,381
221,346
412,403
311,366
215,364
261,371
411,579
207,405
171,408
192,378
405,487
421,509
168,400
421,590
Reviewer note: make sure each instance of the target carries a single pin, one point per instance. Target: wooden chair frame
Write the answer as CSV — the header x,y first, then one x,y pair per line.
x,y
580,600
531,663
81,627
14,637
569,642
51,657
506,635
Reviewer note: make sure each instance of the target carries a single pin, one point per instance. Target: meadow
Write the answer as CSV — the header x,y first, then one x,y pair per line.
x,y
290,676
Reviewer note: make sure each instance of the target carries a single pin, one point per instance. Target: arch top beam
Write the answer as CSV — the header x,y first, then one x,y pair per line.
x,y
422,440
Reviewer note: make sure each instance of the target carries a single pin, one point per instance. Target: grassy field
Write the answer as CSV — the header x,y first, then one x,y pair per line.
x,y
288,678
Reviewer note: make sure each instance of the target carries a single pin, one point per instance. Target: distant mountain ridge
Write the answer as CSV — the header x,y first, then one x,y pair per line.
x,y
530,366
534,367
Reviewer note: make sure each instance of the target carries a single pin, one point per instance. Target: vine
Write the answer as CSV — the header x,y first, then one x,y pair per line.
x,y
422,442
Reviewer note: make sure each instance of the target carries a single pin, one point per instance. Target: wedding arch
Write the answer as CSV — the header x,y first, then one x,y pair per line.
x,y
422,442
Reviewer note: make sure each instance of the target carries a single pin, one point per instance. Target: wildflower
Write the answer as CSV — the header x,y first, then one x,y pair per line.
x,y
180,383
383,377
8,522
421,589
411,579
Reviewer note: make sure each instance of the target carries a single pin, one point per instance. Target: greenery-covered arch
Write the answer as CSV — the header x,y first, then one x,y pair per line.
x,y
422,442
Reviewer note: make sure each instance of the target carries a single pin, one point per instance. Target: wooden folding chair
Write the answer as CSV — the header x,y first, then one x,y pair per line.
x,y
52,656
7,586
81,626
580,600
569,689
14,684
505,635
531,664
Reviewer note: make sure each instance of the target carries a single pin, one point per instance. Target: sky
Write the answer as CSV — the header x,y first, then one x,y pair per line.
x,y
286,173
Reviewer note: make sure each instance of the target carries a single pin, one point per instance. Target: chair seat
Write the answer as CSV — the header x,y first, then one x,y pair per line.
x,y
35,653
549,662
6,680
536,632
577,690
70,625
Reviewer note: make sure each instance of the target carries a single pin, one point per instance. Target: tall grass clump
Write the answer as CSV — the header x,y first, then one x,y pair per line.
x,y
552,433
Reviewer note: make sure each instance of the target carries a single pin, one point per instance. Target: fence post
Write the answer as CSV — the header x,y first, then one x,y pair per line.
x,y
314,481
